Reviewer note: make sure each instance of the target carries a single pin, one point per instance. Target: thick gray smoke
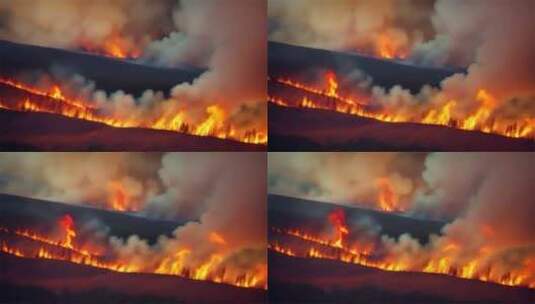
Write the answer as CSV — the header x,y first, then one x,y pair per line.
x,y
229,36
228,193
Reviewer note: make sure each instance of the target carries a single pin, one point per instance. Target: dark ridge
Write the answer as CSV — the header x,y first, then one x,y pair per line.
x,y
109,74
290,60
25,280
290,212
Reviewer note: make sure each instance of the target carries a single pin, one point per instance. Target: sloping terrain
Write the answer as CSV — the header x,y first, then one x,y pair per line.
x,y
302,280
48,281
294,279
301,129
31,131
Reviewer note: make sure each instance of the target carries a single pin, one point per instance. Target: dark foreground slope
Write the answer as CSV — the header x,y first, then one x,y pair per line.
x,y
308,280
301,280
47,281
300,129
32,131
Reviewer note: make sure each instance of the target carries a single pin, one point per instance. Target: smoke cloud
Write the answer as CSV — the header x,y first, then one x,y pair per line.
x,y
81,24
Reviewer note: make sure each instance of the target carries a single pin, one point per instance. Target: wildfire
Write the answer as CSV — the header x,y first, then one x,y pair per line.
x,y
54,101
479,120
369,254
67,249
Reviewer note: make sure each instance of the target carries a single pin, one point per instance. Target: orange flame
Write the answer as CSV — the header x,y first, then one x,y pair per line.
x,y
214,125
338,219
67,223
479,120
113,46
388,49
388,200
119,198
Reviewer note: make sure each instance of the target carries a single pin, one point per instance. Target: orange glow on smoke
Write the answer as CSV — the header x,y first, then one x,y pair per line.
x,y
366,253
67,249
388,199
114,46
387,48
480,119
119,199
214,125
217,238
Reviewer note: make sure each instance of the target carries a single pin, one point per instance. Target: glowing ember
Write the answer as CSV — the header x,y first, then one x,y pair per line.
x,y
479,120
113,46
55,102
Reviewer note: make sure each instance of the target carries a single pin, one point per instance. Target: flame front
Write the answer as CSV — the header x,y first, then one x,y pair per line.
x,y
338,221
480,119
446,260
54,101
31,244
